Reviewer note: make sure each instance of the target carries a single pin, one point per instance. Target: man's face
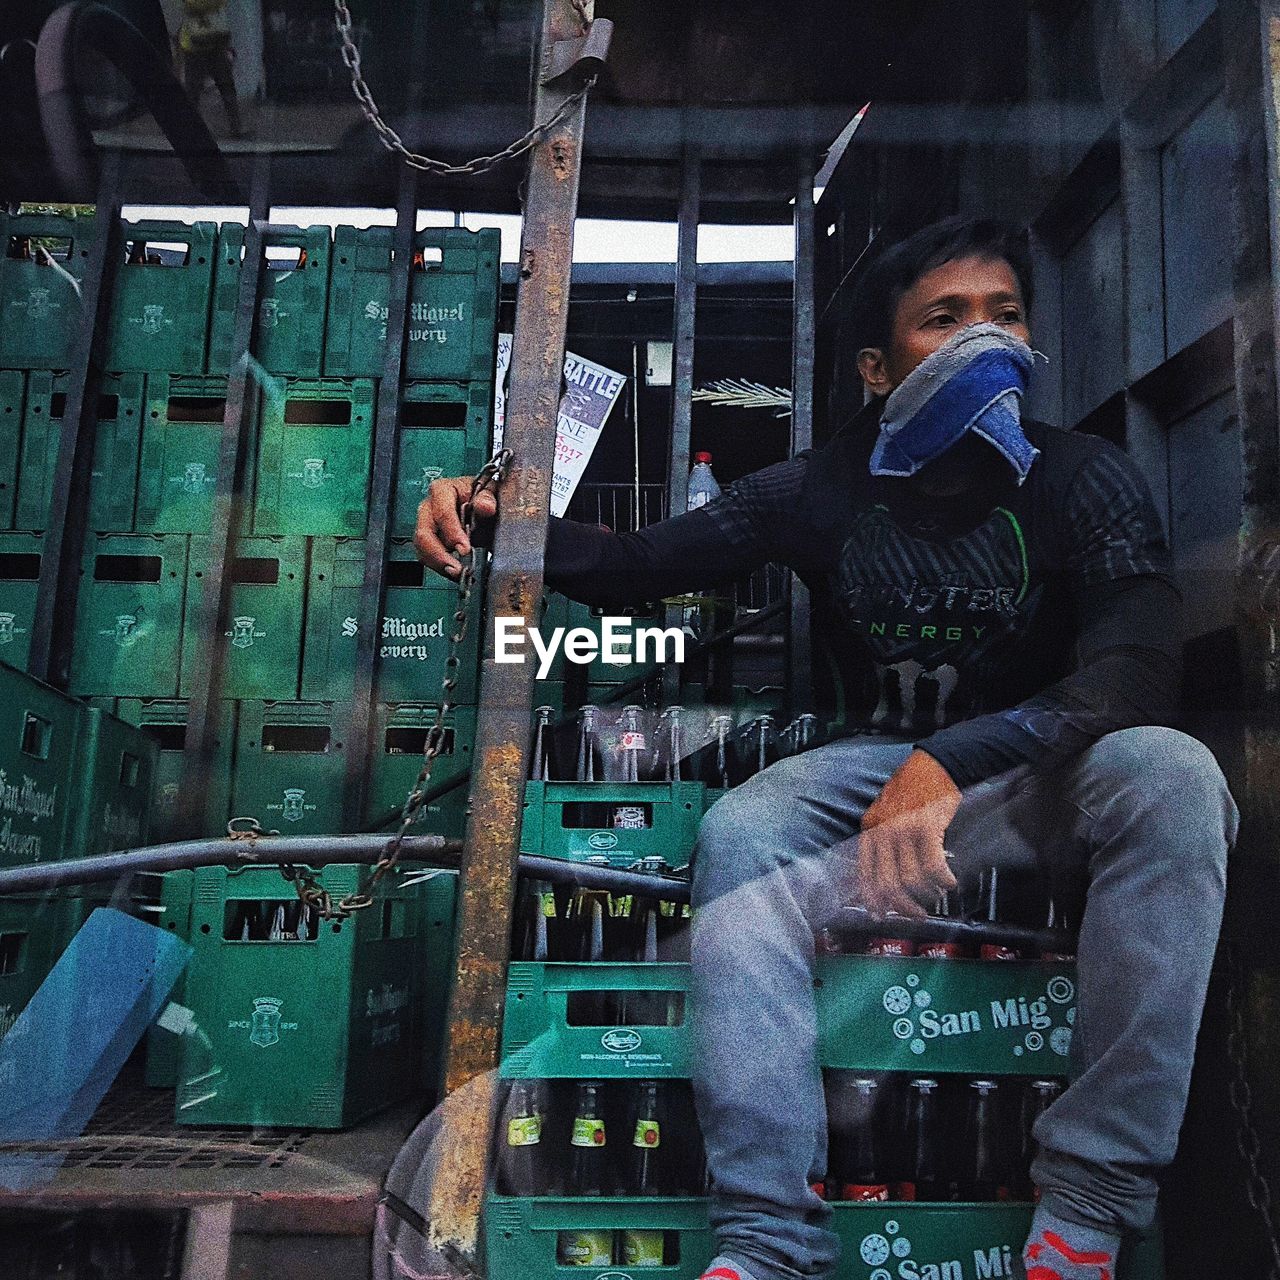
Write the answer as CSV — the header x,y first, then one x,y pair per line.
x,y
942,302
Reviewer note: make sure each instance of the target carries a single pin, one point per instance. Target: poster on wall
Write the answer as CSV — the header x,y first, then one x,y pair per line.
x,y
590,393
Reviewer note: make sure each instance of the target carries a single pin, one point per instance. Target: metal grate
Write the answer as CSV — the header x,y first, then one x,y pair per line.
x,y
134,1129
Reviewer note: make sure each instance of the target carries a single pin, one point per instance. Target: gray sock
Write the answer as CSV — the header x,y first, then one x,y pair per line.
x,y
1060,1250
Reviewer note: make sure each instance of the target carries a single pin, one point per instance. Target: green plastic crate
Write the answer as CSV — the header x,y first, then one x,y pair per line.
x,y
874,1014
164,720
896,1241
41,751
114,479
445,430
13,386
417,622
292,290
164,1048
19,575
453,304
400,730
436,961
314,445
40,307
261,634
181,449
117,777
313,1034
290,763
540,1042
129,616
892,1014
673,811
33,934
160,310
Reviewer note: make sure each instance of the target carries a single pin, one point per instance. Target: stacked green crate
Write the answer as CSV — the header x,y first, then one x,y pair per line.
x,y
1010,1019
163,295
292,292
305,1023
41,274
453,305
19,575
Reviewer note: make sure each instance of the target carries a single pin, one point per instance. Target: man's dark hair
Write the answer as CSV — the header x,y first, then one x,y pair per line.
x,y
892,272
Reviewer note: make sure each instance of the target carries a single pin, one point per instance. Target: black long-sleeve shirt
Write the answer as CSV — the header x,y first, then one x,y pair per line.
x,y
1013,625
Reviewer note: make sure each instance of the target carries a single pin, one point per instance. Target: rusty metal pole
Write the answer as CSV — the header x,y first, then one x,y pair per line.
x,y
515,588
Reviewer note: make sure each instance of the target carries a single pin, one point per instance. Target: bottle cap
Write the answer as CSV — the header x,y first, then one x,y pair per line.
x,y
702,457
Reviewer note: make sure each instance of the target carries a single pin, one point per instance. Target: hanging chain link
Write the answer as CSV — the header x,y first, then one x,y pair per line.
x,y
1240,1094
392,140
308,887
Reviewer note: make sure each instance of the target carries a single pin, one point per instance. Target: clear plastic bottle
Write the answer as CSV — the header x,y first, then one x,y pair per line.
x,y
702,484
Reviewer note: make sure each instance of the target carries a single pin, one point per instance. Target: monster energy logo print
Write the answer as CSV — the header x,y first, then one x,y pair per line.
x,y
929,610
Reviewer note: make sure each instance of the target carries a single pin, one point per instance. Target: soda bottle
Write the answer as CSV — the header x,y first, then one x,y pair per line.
x,y
922,1144
806,732
764,743
886,945
639,1247
1038,1097
542,765
585,940
856,1155
702,484
631,749
535,914
520,1171
984,1171
584,1248
991,894
669,747
1058,920
717,762
647,1157
588,1153
589,767
940,950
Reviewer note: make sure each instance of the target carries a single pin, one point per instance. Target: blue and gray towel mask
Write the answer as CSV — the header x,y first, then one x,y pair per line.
x,y
973,383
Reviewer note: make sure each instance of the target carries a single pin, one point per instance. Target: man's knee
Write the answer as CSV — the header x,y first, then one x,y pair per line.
x,y
1169,778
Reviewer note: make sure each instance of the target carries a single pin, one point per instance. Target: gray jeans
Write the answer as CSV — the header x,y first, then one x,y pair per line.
x,y
1143,817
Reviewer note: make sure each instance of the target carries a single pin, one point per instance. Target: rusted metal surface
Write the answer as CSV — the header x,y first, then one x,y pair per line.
x,y
515,586
686,307
59,584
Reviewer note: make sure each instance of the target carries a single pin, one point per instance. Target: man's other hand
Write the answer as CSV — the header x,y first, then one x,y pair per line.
x,y
439,537
901,864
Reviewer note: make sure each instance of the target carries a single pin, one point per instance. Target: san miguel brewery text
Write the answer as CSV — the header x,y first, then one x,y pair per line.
x,y
420,313
405,632
618,644
25,800
1014,1012
988,1264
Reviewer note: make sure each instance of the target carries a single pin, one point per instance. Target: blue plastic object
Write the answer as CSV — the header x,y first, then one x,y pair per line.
x,y
69,1043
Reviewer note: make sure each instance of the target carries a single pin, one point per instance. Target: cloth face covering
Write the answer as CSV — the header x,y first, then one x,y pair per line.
x,y
973,383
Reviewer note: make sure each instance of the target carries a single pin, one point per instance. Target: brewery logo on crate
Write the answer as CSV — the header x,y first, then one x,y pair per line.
x,y
9,629
292,806
314,474
127,631
1033,1022
244,631
195,478
265,1023
152,319
889,1254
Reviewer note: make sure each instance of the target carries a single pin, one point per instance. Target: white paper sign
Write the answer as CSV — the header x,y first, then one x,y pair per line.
x,y
591,391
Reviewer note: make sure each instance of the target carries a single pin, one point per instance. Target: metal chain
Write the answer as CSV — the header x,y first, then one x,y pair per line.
x,y
392,140
308,887
1240,1094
